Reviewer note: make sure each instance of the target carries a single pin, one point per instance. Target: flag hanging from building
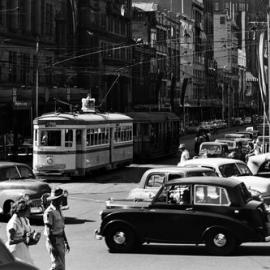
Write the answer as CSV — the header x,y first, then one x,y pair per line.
x,y
262,69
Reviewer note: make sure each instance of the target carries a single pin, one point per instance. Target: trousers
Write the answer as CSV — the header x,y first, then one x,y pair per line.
x,y
58,260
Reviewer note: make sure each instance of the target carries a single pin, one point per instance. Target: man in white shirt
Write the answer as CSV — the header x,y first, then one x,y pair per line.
x,y
184,154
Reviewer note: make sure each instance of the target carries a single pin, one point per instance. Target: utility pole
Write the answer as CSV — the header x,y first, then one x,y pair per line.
x,y
37,64
268,51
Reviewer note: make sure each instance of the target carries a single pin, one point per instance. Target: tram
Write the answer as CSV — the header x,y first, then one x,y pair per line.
x,y
73,144
155,135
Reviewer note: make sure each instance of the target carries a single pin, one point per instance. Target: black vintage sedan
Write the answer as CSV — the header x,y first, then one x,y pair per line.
x,y
218,212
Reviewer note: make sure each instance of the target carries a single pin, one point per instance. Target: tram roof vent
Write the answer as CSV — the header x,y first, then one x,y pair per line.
x,y
88,104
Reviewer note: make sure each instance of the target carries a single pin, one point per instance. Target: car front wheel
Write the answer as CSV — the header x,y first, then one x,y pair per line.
x,y
220,242
120,238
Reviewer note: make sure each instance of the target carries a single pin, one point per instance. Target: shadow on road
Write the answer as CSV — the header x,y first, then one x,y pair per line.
x,y
38,220
200,250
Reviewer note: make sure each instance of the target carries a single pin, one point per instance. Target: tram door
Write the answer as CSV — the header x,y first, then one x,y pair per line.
x,y
79,153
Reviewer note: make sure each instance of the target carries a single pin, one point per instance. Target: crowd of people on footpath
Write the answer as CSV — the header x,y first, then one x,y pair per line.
x,y
254,147
21,235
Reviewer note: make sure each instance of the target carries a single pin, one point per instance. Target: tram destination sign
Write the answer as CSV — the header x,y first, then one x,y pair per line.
x,y
50,124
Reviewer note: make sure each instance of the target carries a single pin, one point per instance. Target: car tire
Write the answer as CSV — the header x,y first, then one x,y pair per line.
x,y
120,238
220,242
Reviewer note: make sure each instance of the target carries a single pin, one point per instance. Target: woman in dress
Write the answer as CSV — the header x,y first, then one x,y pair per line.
x,y
19,232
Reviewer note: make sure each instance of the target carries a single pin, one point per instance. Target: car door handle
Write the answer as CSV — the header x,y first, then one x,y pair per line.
x,y
189,209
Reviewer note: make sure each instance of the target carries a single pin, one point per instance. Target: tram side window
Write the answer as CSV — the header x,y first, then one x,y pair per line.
x,y
97,136
123,134
51,137
68,137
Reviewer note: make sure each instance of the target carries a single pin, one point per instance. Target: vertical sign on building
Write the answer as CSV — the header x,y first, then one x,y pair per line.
x,y
14,95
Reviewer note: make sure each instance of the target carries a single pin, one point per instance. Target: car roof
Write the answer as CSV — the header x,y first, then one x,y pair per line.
x,y
8,163
179,169
212,161
211,180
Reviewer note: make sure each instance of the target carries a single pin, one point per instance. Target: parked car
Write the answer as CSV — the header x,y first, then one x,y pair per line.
x,y
232,144
18,180
8,262
153,179
237,169
260,165
215,211
233,136
213,149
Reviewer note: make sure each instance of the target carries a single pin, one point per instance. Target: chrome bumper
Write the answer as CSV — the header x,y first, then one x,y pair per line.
x,y
98,236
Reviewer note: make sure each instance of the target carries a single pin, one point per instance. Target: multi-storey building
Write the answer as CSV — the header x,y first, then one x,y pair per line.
x,y
160,29
199,58
33,35
104,33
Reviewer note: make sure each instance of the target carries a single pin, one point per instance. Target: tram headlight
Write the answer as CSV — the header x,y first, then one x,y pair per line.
x,y
50,160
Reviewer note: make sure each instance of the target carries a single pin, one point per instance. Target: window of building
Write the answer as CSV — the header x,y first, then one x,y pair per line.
x,y
12,66
222,20
22,15
49,19
103,20
2,7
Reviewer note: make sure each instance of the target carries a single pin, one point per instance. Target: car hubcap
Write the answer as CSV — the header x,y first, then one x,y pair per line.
x,y
119,238
220,240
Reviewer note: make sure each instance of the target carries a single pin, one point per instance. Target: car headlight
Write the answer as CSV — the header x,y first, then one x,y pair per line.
x,y
256,194
26,197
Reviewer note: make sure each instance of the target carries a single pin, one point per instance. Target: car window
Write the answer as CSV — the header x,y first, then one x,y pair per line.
x,y
25,172
228,170
9,173
265,167
244,169
155,180
172,176
175,194
203,173
211,195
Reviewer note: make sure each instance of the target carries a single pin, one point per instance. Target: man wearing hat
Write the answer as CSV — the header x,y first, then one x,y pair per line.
x,y
56,242
184,154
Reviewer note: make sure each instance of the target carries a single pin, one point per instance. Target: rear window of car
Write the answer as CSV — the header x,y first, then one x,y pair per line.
x,y
202,173
211,195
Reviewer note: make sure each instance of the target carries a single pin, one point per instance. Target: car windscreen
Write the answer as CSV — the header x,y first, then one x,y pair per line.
x,y
211,148
26,172
234,169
